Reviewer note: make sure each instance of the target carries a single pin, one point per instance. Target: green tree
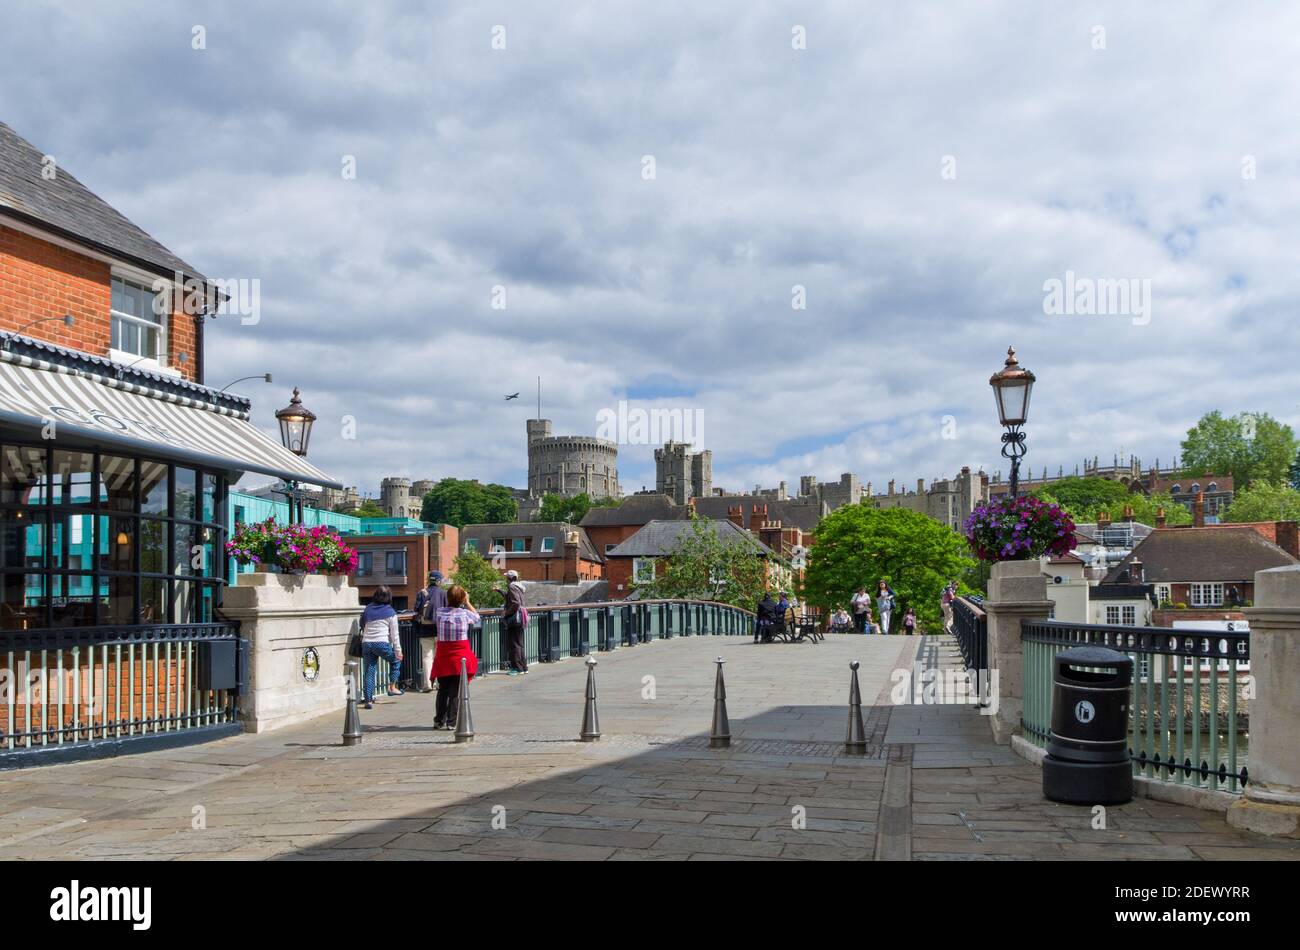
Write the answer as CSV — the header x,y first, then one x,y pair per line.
x,y
571,510
704,567
476,574
1264,501
459,502
1250,446
368,509
858,545
1079,495
1084,506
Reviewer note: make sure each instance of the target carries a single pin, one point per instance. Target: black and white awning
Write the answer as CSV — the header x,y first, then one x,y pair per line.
x,y
62,401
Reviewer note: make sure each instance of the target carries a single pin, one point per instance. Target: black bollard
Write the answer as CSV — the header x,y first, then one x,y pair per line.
x,y
464,720
590,721
351,718
855,743
720,734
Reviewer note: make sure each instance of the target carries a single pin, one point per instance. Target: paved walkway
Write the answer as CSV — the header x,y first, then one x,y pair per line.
x,y
932,786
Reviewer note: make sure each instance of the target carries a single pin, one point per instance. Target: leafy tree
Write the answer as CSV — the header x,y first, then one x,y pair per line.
x,y
476,574
1250,446
368,509
459,502
571,510
858,545
704,567
1085,506
1078,495
1264,501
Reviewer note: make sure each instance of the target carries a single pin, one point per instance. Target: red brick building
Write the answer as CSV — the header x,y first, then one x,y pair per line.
x,y
539,551
646,552
402,562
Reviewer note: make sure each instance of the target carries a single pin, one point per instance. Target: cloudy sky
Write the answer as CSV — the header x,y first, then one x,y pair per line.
x,y
648,183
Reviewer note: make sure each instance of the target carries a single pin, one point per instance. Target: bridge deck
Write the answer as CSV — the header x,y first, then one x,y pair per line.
x,y
932,785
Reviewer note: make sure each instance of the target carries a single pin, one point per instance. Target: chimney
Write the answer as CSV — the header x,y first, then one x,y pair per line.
x,y
1128,513
891,486
736,516
1103,519
1288,537
1160,517
570,558
1198,510
920,486
1136,572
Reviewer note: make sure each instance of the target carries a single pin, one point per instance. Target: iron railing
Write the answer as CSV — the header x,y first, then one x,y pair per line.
x,y
554,633
971,630
67,687
1189,722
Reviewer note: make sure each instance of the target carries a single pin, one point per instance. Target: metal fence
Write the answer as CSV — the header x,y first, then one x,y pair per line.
x,y
971,630
1189,718
554,633
70,687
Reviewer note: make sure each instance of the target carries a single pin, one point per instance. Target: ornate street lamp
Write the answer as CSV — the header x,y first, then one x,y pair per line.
x,y
295,421
1011,388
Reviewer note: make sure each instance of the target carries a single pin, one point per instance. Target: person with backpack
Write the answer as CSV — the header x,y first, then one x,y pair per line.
x,y
909,622
454,620
514,620
427,604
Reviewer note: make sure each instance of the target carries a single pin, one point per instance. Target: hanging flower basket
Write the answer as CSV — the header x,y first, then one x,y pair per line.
x,y
291,549
1019,529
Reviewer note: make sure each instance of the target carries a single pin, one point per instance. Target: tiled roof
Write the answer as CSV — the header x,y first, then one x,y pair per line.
x,y
803,513
68,207
660,538
636,510
1218,553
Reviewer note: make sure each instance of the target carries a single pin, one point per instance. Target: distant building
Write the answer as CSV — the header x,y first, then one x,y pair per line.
x,y
947,500
540,551
682,474
402,498
847,491
642,556
610,527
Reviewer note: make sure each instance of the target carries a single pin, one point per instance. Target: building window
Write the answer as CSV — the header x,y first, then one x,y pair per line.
x,y
1121,614
91,539
1214,486
365,563
610,547
643,570
1163,594
548,545
471,544
395,563
519,545
1176,490
1207,595
1196,486
137,329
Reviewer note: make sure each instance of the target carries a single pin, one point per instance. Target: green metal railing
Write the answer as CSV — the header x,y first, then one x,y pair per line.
x,y
1189,720
554,633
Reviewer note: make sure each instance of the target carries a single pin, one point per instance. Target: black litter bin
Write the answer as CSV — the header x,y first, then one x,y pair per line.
x,y
1087,759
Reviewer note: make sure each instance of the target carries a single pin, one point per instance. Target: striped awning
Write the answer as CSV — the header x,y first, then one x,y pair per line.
x,y
126,414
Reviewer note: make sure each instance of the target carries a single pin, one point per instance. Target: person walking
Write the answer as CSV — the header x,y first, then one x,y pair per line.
x,y
861,605
380,640
512,615
427,604
909,622
453,625
884,605
946,603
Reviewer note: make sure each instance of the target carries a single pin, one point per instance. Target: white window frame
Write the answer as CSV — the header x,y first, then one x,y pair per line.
x,y
548,545
1198,595
471,544
1164,593
1121,615
129,357
639,565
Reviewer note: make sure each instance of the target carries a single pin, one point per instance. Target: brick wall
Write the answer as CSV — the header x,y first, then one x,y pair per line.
x,y
39,280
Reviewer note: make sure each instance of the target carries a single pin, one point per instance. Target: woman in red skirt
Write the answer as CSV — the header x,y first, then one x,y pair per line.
x,y
454,623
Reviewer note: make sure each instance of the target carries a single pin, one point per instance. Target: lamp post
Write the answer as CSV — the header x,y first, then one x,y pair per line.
x,y
295,421
1011,388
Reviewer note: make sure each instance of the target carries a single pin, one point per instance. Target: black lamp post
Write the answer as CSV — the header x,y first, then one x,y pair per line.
x,y
1011,388
295,421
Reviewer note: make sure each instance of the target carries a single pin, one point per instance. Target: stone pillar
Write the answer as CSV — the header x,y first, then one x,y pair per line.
x,y
283,615
1017,591
1271,802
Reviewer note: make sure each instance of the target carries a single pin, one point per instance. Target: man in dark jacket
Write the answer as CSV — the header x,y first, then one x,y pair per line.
x,y
767,613
512,624
427,604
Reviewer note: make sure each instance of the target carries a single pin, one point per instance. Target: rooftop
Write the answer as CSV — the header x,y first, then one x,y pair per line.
x,y
660,538
1213,553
